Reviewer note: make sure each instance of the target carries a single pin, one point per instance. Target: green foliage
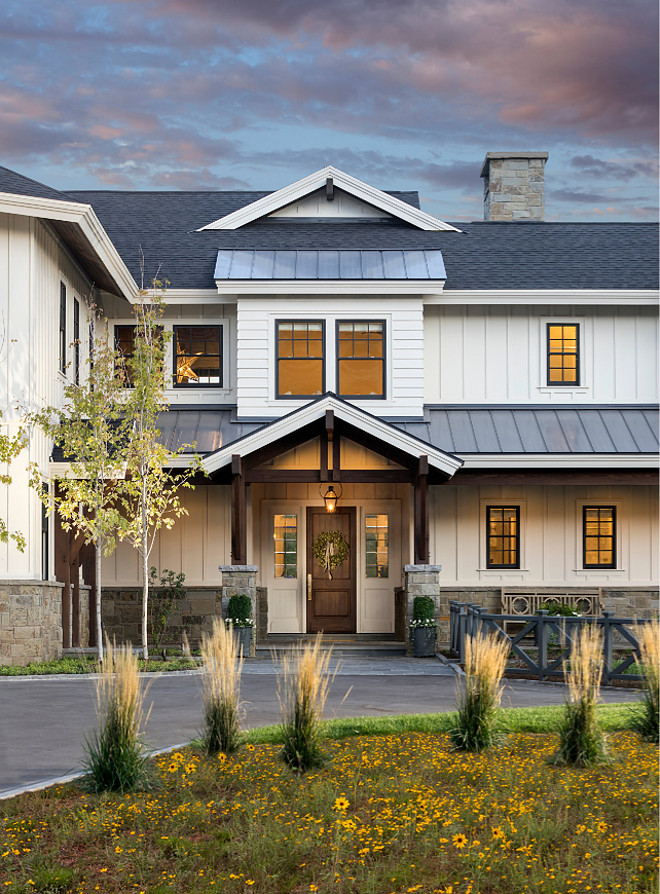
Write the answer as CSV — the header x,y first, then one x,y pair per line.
x,y
485,659
423,608
51,879
581,741
646,718
239,607
115,759
559,609
163,600
221,680
303,690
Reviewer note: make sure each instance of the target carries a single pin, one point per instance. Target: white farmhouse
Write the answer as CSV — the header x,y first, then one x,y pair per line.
x,y
479,400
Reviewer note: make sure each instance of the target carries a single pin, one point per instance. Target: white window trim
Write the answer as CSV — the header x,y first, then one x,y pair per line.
x,y
586,359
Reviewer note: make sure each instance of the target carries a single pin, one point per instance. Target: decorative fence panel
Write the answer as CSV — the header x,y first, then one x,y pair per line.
x,y
544,642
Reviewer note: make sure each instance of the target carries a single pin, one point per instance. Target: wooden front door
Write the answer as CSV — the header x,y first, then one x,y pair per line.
x,y
331,603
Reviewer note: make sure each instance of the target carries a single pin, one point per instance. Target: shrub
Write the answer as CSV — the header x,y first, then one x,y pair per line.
x,y
559,609
221,680
115,759
163,601
423,608
485,659
581,741
303,690
239,609
646,719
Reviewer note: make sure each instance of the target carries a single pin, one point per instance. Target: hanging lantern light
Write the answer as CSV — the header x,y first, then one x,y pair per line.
x,y
330,498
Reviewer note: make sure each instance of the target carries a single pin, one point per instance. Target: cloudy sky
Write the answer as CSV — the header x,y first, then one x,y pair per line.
x,y
240,94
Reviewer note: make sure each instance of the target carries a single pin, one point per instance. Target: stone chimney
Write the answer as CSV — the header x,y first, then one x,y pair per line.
x,y
513,185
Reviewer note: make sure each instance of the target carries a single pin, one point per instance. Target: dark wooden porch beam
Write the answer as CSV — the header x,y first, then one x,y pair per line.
x,y
348,476
238,512
421,511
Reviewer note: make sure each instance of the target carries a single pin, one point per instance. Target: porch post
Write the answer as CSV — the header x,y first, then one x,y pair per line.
x,y
238,512
421,490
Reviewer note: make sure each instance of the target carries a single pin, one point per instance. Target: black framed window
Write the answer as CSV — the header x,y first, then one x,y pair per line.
x,y
300,358
125,345
197,356
503,537
361,358
563,354
599,536
62,344
76,341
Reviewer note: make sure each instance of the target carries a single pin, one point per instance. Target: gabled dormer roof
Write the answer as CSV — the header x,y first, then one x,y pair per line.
x,y
331,178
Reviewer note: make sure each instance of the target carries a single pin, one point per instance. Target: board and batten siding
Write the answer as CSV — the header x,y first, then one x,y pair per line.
x,y
33,263
197,543
256,350
550,534
479,354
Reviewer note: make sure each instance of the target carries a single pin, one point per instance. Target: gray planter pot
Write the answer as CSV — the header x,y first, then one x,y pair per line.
x,y
424,642
243,639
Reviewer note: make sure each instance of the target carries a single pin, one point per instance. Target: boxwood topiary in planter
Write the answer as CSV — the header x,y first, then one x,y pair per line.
x,y
239,615
423,627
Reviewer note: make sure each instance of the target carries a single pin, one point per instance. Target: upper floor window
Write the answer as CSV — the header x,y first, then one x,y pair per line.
x,y
503,536
300,358
76,341
62,342
599,536
124,345
360,358
563,354
197,355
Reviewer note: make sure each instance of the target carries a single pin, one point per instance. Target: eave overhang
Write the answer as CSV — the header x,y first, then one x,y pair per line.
x,y
353,416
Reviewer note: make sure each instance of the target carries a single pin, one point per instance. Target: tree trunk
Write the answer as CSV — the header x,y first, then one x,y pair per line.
x,y
145,582
97,585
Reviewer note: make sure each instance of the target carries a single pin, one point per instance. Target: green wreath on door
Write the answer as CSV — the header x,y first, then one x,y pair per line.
x,y
330,550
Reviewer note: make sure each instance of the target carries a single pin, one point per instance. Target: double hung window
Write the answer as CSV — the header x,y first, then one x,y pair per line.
x,y
62,332
360,358
503,536
197,356
599,536
300,358
563,354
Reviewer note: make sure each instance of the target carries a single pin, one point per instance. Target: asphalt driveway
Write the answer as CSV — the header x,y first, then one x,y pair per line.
x,y
44,721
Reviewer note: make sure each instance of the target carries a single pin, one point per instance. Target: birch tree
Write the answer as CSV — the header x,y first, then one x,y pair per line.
x,y
151,498
90,429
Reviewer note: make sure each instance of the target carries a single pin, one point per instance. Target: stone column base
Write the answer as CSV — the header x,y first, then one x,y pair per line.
x,y
238,579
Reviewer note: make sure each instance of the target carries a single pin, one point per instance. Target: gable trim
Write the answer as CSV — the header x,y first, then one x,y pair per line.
x,y
348,413
288,194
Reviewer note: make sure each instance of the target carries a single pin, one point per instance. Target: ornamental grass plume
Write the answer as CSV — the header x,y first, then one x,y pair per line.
x,y
116,760
646,719
303,688
581,741
221,678
485,660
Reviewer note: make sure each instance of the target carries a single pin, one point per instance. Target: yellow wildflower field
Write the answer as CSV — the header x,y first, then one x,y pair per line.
x,y
387,815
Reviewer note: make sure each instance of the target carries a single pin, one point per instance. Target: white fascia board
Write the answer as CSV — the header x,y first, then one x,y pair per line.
x,y
194,296
288,194
64,470
85,217
629,297
353,415
375,287
560,461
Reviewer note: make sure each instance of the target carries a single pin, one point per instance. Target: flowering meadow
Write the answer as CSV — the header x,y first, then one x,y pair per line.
x,y
395,813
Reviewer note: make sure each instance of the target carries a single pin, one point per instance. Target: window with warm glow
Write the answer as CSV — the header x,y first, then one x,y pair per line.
x,y
125,345
300,358
599,536
377,557
197,355
360,358
503,537
563,354
285,537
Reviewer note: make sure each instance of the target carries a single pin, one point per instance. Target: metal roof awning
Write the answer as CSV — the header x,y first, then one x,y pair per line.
x,y
342,264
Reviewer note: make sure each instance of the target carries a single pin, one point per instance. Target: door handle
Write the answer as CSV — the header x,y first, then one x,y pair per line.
x,y
309,587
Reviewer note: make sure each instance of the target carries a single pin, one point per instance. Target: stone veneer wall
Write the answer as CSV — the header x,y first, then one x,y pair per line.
x,y
514,186
30,621
625,602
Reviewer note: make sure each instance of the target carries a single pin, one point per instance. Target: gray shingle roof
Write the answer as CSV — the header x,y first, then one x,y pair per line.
x,y
485,255
464,431
19,185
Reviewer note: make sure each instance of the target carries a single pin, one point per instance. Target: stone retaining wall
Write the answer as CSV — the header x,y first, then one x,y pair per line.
x,y
30,621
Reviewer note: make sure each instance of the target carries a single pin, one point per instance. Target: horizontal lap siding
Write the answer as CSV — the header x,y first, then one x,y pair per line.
x,y
256,349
